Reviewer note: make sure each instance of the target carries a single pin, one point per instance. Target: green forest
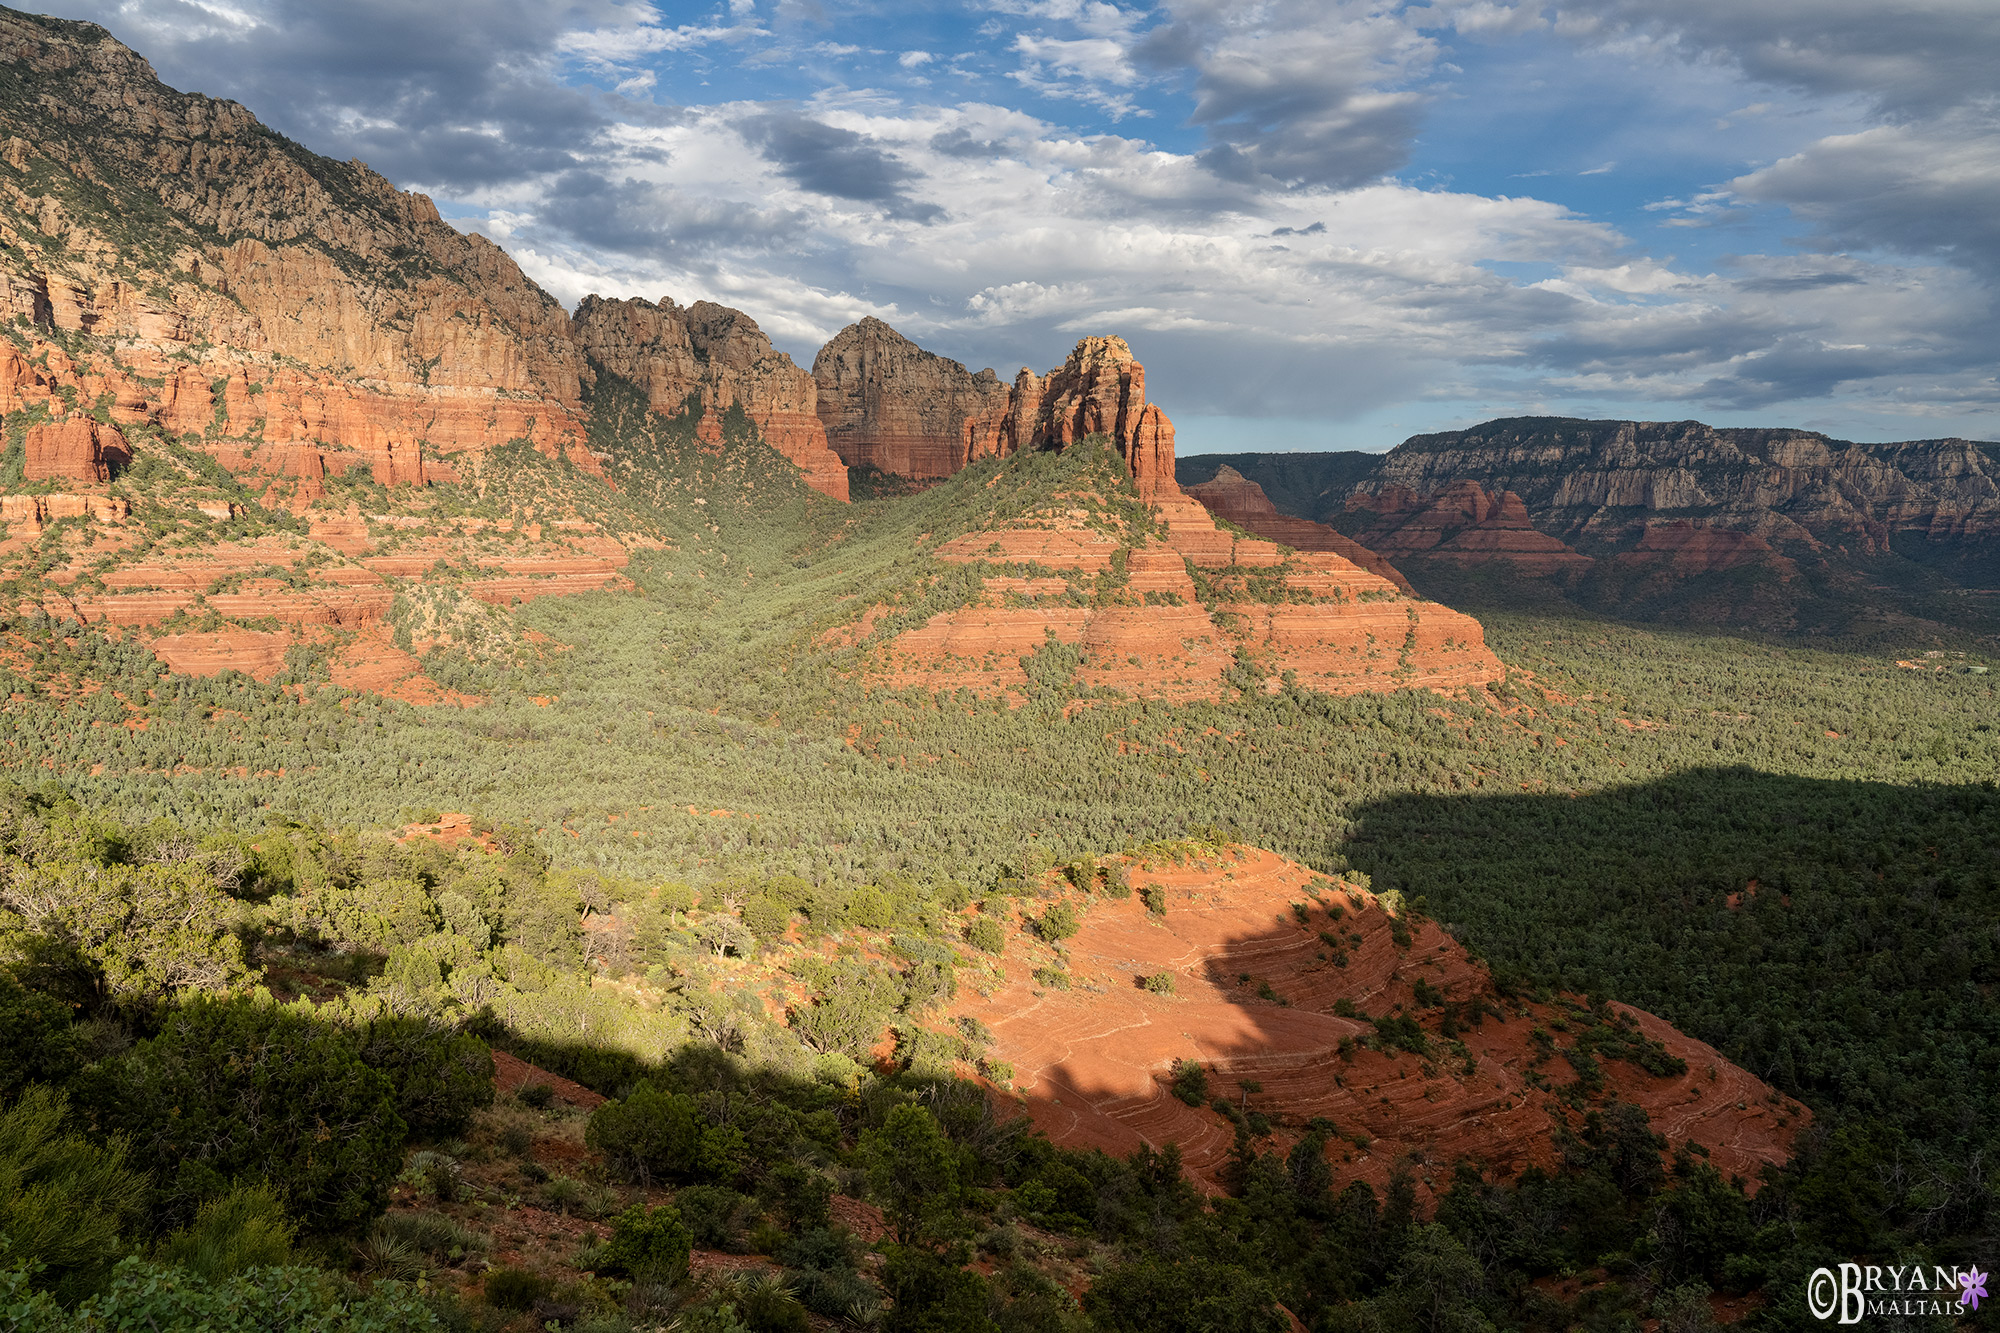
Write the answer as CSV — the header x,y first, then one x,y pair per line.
x,y
243,1022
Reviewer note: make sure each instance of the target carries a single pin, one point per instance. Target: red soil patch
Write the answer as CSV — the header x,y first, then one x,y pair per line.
x,y
1093,1062
511,1074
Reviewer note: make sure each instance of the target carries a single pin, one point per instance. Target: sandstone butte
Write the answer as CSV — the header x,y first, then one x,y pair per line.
x,y
888,404
1316,618
1092,1063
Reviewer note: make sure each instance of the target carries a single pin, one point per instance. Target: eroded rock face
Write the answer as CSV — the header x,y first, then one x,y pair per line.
x,y
200,247
1094,1061
888,404
1100,389
1232,496
74,449
718,358
1464,525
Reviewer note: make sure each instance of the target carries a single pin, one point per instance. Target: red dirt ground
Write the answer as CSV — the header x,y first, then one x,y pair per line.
x,y
1092,1063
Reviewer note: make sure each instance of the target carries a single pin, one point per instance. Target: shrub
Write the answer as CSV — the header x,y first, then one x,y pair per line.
x,y
514,1290
912,1171
647,1245
35,1033
1155,1296
1159,983
244,1229
434,1175
1155,898
1190,1082
233,1089
64,1201
986,935
539,1096
441,1077
1059,923
715,1215
768,918
652,1134
144,1296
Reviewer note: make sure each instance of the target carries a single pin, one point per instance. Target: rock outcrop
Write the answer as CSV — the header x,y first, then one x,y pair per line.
x,y
1279,1028
1100,389
888,404
715,358
1675,520
194,247
73,449
1464,525
1170,607
1232,496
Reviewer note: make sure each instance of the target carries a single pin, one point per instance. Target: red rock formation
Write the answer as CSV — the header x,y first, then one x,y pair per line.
x,y
886,403
1232,496
1100,390
74,449
1341,629
1681,548
350,305
719,358
1463,525
1093,1061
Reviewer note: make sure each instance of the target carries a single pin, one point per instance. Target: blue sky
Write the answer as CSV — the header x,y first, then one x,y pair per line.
x,y
1320,223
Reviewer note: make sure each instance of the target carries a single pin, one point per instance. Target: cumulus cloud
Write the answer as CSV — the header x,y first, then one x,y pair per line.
x,y
1924,188
1298,92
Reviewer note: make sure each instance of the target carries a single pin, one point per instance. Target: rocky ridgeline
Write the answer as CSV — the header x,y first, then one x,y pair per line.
x,y
187,283
1678,519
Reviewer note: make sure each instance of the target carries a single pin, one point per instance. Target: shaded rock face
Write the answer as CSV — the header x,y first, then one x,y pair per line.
x,y
1094,1061
1465,525
1589,480
888,404
1232,496
1100,389
718,357
74,449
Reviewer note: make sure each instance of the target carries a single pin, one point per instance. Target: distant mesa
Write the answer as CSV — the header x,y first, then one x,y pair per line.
x,y
1232,496
1781,529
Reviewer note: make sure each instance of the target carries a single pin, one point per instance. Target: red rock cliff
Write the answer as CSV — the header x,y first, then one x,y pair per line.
x,y
350,313
888,404
1101,389
720,358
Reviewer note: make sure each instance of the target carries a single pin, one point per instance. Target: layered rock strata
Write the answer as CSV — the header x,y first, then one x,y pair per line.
x,y
1232,496
197,249
716,358
888,404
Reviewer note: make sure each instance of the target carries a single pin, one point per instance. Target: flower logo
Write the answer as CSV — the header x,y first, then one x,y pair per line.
x,y
1974,1283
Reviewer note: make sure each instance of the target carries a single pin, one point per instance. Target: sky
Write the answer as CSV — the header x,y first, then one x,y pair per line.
x,y
1321,224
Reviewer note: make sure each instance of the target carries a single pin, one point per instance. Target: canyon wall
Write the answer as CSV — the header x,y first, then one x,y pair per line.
x,y
233,283
888,404
1671,520
716,358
